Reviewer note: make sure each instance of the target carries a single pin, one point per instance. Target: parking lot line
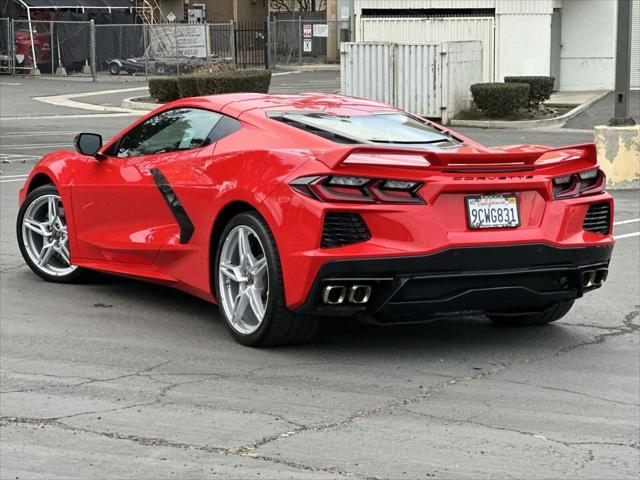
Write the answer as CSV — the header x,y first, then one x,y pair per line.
x,y
627,235
624,222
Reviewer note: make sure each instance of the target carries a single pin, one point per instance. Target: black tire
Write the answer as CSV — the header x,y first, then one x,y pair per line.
x,y
162,69
551,314
114,68
75,276
280,326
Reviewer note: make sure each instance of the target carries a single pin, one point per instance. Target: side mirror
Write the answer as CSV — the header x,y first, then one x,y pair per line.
x,y
87,143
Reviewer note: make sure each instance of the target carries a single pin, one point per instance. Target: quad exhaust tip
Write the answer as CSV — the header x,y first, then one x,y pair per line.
x,y
337,294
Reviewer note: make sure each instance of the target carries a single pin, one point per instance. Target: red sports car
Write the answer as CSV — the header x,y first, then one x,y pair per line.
x,y
284,209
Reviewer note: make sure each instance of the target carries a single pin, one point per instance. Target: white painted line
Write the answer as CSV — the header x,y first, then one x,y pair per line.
x,y
66,100
35,134
29,147
624,222
79,115
14,180
277,74
24,175
627,235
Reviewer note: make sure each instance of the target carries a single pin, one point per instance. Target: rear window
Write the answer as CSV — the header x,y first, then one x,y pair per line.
x,y
381,128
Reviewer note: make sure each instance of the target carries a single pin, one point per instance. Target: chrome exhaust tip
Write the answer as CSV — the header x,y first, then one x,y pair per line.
x,y
588,278
600,276
359,294
334,294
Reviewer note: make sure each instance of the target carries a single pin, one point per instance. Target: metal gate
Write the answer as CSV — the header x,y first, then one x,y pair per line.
x,y
435,30
251,45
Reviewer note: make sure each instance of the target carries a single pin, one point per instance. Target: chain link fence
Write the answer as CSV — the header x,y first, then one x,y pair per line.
x,y
304,41
83,48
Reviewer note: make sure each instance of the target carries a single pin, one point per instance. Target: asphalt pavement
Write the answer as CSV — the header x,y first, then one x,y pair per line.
x,y
122,379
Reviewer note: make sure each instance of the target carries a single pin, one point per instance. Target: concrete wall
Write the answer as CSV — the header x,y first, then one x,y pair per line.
x,y
587,59
523,46
619,155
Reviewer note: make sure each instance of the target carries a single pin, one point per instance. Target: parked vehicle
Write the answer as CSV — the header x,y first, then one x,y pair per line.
x,y
158,65
41,36
284,209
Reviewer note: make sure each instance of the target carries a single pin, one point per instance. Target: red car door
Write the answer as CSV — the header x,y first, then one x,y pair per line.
x,y
122,206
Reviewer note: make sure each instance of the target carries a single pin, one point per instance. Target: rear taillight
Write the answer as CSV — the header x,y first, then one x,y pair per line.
x,y
346,189
590,182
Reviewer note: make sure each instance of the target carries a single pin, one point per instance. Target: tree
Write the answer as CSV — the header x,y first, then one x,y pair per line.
x,y
298,5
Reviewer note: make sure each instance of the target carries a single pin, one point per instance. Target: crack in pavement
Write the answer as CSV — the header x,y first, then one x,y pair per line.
x,y
627,327
88,380
160,442
250,450
575,392
472,421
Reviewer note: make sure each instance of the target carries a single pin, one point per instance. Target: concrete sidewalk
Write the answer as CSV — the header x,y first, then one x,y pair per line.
x,y
602,111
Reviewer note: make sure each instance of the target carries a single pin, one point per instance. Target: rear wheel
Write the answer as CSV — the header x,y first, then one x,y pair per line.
x,y
250,290
43,236
553,313
114,68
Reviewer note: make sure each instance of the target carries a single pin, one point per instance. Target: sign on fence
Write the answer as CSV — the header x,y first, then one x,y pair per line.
x,y
306,30
320,30
179,40
307,45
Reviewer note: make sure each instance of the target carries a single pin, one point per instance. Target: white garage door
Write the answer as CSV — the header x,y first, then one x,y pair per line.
x,y
435,30
635,47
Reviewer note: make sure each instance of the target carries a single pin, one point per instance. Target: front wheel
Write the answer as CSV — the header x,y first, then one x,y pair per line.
x,y
43,237
249,287
551,314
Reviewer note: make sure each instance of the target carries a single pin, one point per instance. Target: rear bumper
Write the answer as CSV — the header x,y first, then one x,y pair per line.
x,y
489,279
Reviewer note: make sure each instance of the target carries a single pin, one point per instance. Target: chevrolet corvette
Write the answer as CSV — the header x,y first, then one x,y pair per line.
x,y
284,209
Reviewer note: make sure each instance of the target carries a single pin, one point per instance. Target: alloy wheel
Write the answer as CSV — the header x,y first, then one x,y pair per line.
x,y
45,236
243,276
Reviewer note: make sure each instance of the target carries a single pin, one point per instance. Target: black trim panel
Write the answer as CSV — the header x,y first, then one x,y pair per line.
x,y
485,279
173,202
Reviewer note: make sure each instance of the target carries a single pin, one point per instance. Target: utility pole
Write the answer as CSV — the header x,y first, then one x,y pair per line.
x,y
623,64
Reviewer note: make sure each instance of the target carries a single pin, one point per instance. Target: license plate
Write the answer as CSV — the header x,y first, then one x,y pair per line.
x,y
493,211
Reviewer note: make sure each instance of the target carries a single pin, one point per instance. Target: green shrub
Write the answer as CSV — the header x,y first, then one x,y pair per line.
x,y
164,89
232,81
167,89
188,86
540,88
500,99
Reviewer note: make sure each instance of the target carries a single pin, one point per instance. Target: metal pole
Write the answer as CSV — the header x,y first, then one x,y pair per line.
x,y
300,39
35,70
53,58
92,50
623,65
12,47
232,42
175,42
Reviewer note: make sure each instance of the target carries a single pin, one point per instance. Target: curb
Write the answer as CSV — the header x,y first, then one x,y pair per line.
x,y
523,124
309,68
132,104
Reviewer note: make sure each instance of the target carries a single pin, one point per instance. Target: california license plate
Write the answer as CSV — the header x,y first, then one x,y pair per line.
x,y
493,211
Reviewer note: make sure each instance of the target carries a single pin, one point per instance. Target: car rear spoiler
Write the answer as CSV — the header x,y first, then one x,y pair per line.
x,y
491,159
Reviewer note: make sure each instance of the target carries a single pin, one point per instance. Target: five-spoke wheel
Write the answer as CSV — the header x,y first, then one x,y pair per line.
x,y
249,286
243,275
43,236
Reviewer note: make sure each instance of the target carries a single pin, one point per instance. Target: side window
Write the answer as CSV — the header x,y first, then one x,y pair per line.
x,y
178,129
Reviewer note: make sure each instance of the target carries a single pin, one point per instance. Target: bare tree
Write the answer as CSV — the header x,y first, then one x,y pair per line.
x,y
298,5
